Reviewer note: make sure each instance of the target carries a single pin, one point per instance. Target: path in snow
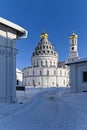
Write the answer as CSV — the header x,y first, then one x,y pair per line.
x,y
48,110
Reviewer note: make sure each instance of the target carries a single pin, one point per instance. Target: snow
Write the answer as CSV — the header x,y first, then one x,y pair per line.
x,y
19,71
45,109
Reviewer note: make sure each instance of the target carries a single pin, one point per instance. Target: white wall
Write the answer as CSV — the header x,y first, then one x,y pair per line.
x,y
7,63
56,76
76,75
80,84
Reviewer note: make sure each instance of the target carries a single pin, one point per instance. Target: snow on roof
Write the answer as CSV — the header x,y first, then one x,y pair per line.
x,y
19,71
22,32
77,61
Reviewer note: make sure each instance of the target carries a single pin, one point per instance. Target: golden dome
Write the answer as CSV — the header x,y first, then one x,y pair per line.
x,y
44,35
73,36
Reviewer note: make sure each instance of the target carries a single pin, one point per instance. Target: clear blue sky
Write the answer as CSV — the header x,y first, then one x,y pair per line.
x,y
57,17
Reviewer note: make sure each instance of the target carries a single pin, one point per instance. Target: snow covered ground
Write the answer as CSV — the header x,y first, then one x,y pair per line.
x,y
45,109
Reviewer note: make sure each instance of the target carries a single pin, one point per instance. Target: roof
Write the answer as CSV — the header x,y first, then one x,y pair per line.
x,y
22,33
19,71
77,61
73,36
61,64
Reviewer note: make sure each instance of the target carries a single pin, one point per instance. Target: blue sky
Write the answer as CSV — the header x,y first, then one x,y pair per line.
x,y
57,17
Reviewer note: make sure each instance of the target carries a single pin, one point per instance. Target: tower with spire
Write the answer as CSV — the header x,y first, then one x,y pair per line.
x,y
73,55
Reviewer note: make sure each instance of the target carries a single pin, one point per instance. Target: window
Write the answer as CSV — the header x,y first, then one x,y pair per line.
x,y
40,72
46,63
54,63
40,47
43,51
17,82
33,54
60,73
65,73
72,41
51,52
50,63
50,47
37,63
64,82
34,64
39,52
27,73
44,47
52,83
85,76
34,84
47,51
72,48
54,72
47,72
47,47
33,72
54,53
41,63
35,48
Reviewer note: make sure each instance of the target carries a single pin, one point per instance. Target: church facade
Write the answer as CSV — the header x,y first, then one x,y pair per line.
x,y
46,70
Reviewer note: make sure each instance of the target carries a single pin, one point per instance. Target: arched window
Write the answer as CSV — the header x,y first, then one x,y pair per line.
x,y
48,51
54,72
17,82
33,72
40,47
47,72
34,64
51,52
33,54
50,63
27,73
39,52
52,83
65,73
34,84
46,62
40,72
60,73
50,47
72,41
41,63
43,47
64,82
36,52
37,63
47,47
54,63
44,51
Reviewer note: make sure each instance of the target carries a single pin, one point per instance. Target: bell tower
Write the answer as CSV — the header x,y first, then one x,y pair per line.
x,y
73,55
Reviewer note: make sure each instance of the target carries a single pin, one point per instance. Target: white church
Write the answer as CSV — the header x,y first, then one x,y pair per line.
x,y
46,70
